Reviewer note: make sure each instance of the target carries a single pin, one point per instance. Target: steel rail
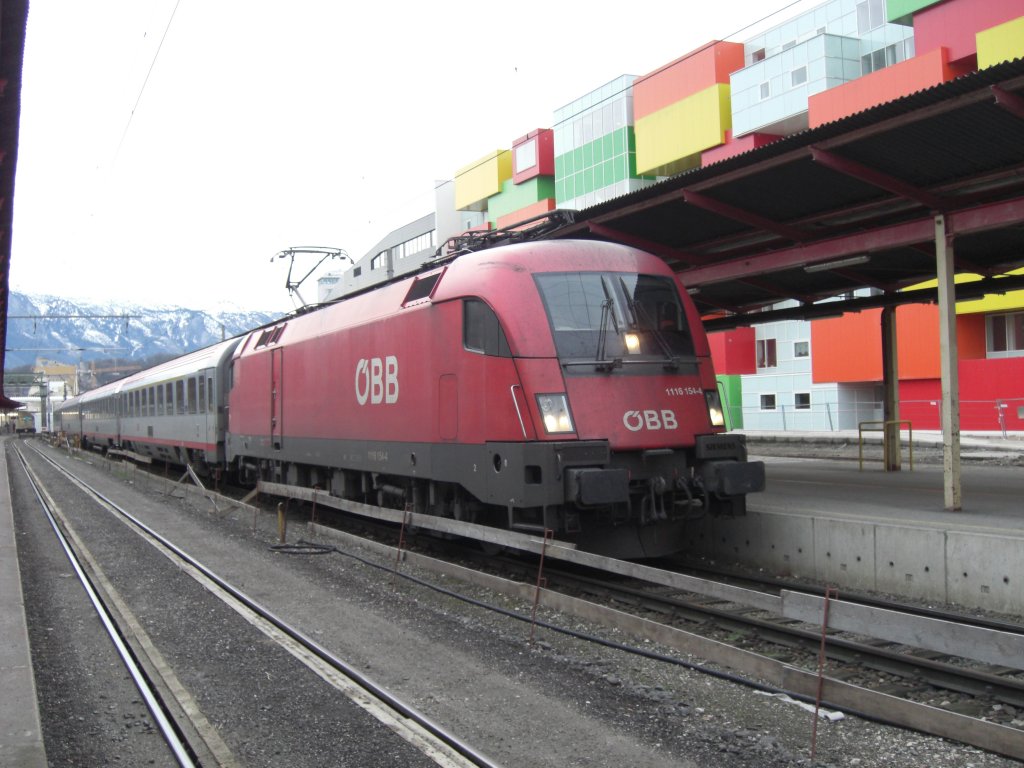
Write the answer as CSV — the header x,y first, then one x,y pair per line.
x,y
182,752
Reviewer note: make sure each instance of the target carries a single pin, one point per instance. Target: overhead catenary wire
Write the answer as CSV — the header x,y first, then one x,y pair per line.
x,y
145,82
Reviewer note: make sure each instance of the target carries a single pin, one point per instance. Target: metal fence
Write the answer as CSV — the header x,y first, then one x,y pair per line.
x,y
1000,416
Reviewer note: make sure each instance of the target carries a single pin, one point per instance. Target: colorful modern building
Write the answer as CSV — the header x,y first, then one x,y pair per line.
x,y
730,97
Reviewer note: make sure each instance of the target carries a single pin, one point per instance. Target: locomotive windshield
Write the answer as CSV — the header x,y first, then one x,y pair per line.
x,y
613,318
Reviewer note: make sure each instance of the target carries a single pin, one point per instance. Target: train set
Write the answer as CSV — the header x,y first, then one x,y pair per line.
x,y
553,385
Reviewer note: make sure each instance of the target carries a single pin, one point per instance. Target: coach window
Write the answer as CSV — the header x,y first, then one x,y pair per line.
x,y
152,402
159,401
179,396
209,395
481,331
169,397
191,394
201,399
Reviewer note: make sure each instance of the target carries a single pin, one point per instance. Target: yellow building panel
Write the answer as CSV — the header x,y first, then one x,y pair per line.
x,y
673,137
1001,302
478,181
1002,43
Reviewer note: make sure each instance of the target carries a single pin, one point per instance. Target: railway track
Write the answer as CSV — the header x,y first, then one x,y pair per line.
x,y
964,684
155,682
183,753
934,671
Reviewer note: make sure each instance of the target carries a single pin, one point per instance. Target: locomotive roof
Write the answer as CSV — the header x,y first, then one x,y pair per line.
x,y
502,276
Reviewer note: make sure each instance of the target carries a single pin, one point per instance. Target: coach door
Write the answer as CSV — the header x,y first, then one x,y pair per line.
x,y
276,396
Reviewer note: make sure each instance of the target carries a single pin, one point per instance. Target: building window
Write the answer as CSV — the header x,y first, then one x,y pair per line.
x,y
802,401
884,57
757,56
766,90
870,15
526,155
801,349
767,402
1005,335
789,44
377,261
766,357
798,76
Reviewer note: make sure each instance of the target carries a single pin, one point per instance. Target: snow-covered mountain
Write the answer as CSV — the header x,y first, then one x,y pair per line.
x,y
72,332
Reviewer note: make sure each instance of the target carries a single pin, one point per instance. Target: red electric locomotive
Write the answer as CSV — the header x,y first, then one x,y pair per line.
x,y
562,385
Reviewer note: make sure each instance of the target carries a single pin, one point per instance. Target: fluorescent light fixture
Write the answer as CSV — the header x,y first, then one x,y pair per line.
x,y
825,266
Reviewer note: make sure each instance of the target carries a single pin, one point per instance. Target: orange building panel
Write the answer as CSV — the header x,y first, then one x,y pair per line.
x,y
712,64
535,209
970,337
849,348
881,86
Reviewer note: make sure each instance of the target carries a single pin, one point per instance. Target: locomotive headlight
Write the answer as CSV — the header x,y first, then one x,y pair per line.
x,y
632,343
554,410
714,408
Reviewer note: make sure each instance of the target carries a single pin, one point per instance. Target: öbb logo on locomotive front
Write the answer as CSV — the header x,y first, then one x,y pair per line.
x,y
634,421
377,380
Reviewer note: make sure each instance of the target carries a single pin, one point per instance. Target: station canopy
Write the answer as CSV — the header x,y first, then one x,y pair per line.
x,y
844,206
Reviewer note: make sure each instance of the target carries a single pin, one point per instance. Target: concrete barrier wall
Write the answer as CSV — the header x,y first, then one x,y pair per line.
x,y
966,568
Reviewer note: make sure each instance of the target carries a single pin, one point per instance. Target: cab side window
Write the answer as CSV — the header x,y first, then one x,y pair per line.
x,y
481,331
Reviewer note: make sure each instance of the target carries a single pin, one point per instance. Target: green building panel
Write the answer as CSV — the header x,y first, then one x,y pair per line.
x,y
731,390
902,11
515,196
606,160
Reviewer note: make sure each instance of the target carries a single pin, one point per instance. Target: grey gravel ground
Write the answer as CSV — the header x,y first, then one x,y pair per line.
x,y
556,702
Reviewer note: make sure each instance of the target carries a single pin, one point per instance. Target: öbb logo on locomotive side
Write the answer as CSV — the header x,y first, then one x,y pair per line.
x,y
634,421
377,380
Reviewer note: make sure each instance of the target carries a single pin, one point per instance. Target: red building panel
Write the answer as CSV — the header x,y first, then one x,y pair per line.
x,y
733,146
985,385
953,25
732,352
538,162
687,75
989,389
880,87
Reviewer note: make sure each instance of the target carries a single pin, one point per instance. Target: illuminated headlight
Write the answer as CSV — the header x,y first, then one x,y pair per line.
x,y
714,408
632,343
554,409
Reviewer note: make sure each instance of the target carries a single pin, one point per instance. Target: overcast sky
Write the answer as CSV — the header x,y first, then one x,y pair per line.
x,y
170,148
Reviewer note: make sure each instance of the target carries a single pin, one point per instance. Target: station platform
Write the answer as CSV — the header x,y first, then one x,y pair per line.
x,y
857,527
21,735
